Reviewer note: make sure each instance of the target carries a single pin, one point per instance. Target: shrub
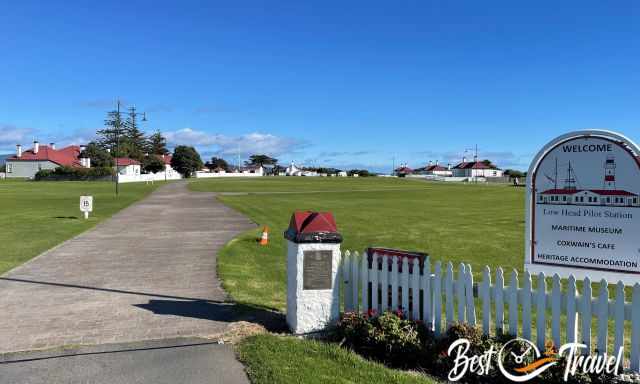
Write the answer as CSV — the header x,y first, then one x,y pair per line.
x,y
392,339
389,338
71,173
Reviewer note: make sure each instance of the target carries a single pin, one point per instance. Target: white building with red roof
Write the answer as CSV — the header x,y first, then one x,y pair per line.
x,y
28,162
434,170
476,169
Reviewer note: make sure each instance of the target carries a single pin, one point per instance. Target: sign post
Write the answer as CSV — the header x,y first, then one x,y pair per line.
x,y
86,205
583,207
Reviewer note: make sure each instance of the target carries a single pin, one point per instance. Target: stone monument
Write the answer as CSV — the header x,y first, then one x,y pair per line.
x,y
313,258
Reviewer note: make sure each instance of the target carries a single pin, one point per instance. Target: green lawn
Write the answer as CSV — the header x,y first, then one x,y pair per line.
x,y
481,224
277,359
35,216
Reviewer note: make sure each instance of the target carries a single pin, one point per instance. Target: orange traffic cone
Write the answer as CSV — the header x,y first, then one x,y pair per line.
x,y
264,240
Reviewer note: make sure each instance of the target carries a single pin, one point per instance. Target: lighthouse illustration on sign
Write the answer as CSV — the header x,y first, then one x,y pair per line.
x,y
570,194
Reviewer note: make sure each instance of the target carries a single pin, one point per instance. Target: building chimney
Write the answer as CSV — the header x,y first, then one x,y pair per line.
x,y
36,147
449,166
52,146
83,148
430,163
18,150
436,162
464,159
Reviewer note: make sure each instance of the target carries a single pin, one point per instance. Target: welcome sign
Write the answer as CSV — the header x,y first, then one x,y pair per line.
x,y
583,207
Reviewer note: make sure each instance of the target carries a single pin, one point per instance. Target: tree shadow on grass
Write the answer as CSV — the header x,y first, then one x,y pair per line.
x,y
272,320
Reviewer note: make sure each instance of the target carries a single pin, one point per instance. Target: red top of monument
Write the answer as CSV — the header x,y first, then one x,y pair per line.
x,y
313,227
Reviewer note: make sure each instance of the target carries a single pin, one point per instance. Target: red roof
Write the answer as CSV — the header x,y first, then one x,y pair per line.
x,y
66,156
404,170
309,222
126,161
435,167
602,192
472,165
166,158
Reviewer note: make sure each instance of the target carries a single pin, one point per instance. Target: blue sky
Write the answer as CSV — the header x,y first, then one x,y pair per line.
x,y
347,84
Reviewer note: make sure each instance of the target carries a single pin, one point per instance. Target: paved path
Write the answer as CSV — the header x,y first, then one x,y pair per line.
x,y
194,361
147,273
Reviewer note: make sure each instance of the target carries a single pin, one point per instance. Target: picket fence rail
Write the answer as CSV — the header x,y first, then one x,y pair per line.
x,y
413,287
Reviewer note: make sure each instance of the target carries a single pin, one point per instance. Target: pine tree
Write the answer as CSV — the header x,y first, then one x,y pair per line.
x,y
113,133
157,144
134,136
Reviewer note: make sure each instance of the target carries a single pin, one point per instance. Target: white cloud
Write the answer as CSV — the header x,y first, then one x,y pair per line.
x,y
10,135
224,145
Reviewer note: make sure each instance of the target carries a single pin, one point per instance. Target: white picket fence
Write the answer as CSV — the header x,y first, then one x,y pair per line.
x,y
421,293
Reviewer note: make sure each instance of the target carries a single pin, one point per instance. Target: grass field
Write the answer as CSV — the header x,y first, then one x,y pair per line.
x,y
275,359
480,224
35,216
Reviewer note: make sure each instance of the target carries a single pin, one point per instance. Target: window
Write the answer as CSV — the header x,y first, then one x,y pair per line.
x,y
564,198
608,199
9,168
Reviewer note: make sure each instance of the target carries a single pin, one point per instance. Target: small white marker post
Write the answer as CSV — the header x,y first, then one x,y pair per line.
x,y
86,205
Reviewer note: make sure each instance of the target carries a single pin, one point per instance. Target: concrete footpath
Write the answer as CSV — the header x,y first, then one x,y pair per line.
x,y
147,273
194,361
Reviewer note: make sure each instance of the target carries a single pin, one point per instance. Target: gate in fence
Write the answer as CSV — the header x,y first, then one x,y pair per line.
x,y
382,279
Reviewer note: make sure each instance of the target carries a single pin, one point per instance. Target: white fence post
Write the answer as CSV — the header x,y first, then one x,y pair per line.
x,y
405,285
556,299
526,306
427,313
572,330
373,272
437,299
485,296
471,305
541,311
364,273
345,263
586,315
415,290
448,293
513,304
355,288
499,300
394,283
619,318
384,281
602,310
460,290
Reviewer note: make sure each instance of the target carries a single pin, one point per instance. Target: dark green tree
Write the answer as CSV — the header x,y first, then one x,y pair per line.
x,y
261,160
113,133
98,155
217,162
152,164
186,160
134,136
157,144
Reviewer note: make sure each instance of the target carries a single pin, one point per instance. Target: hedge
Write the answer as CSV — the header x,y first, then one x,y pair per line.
x,y
70,173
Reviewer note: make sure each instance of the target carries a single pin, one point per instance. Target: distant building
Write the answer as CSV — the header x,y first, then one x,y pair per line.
x,y
27,163
293,170
434,170
126,166
403,171
476,169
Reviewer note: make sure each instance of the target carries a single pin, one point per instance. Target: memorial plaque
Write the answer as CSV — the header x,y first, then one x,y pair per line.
x,y
316,272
